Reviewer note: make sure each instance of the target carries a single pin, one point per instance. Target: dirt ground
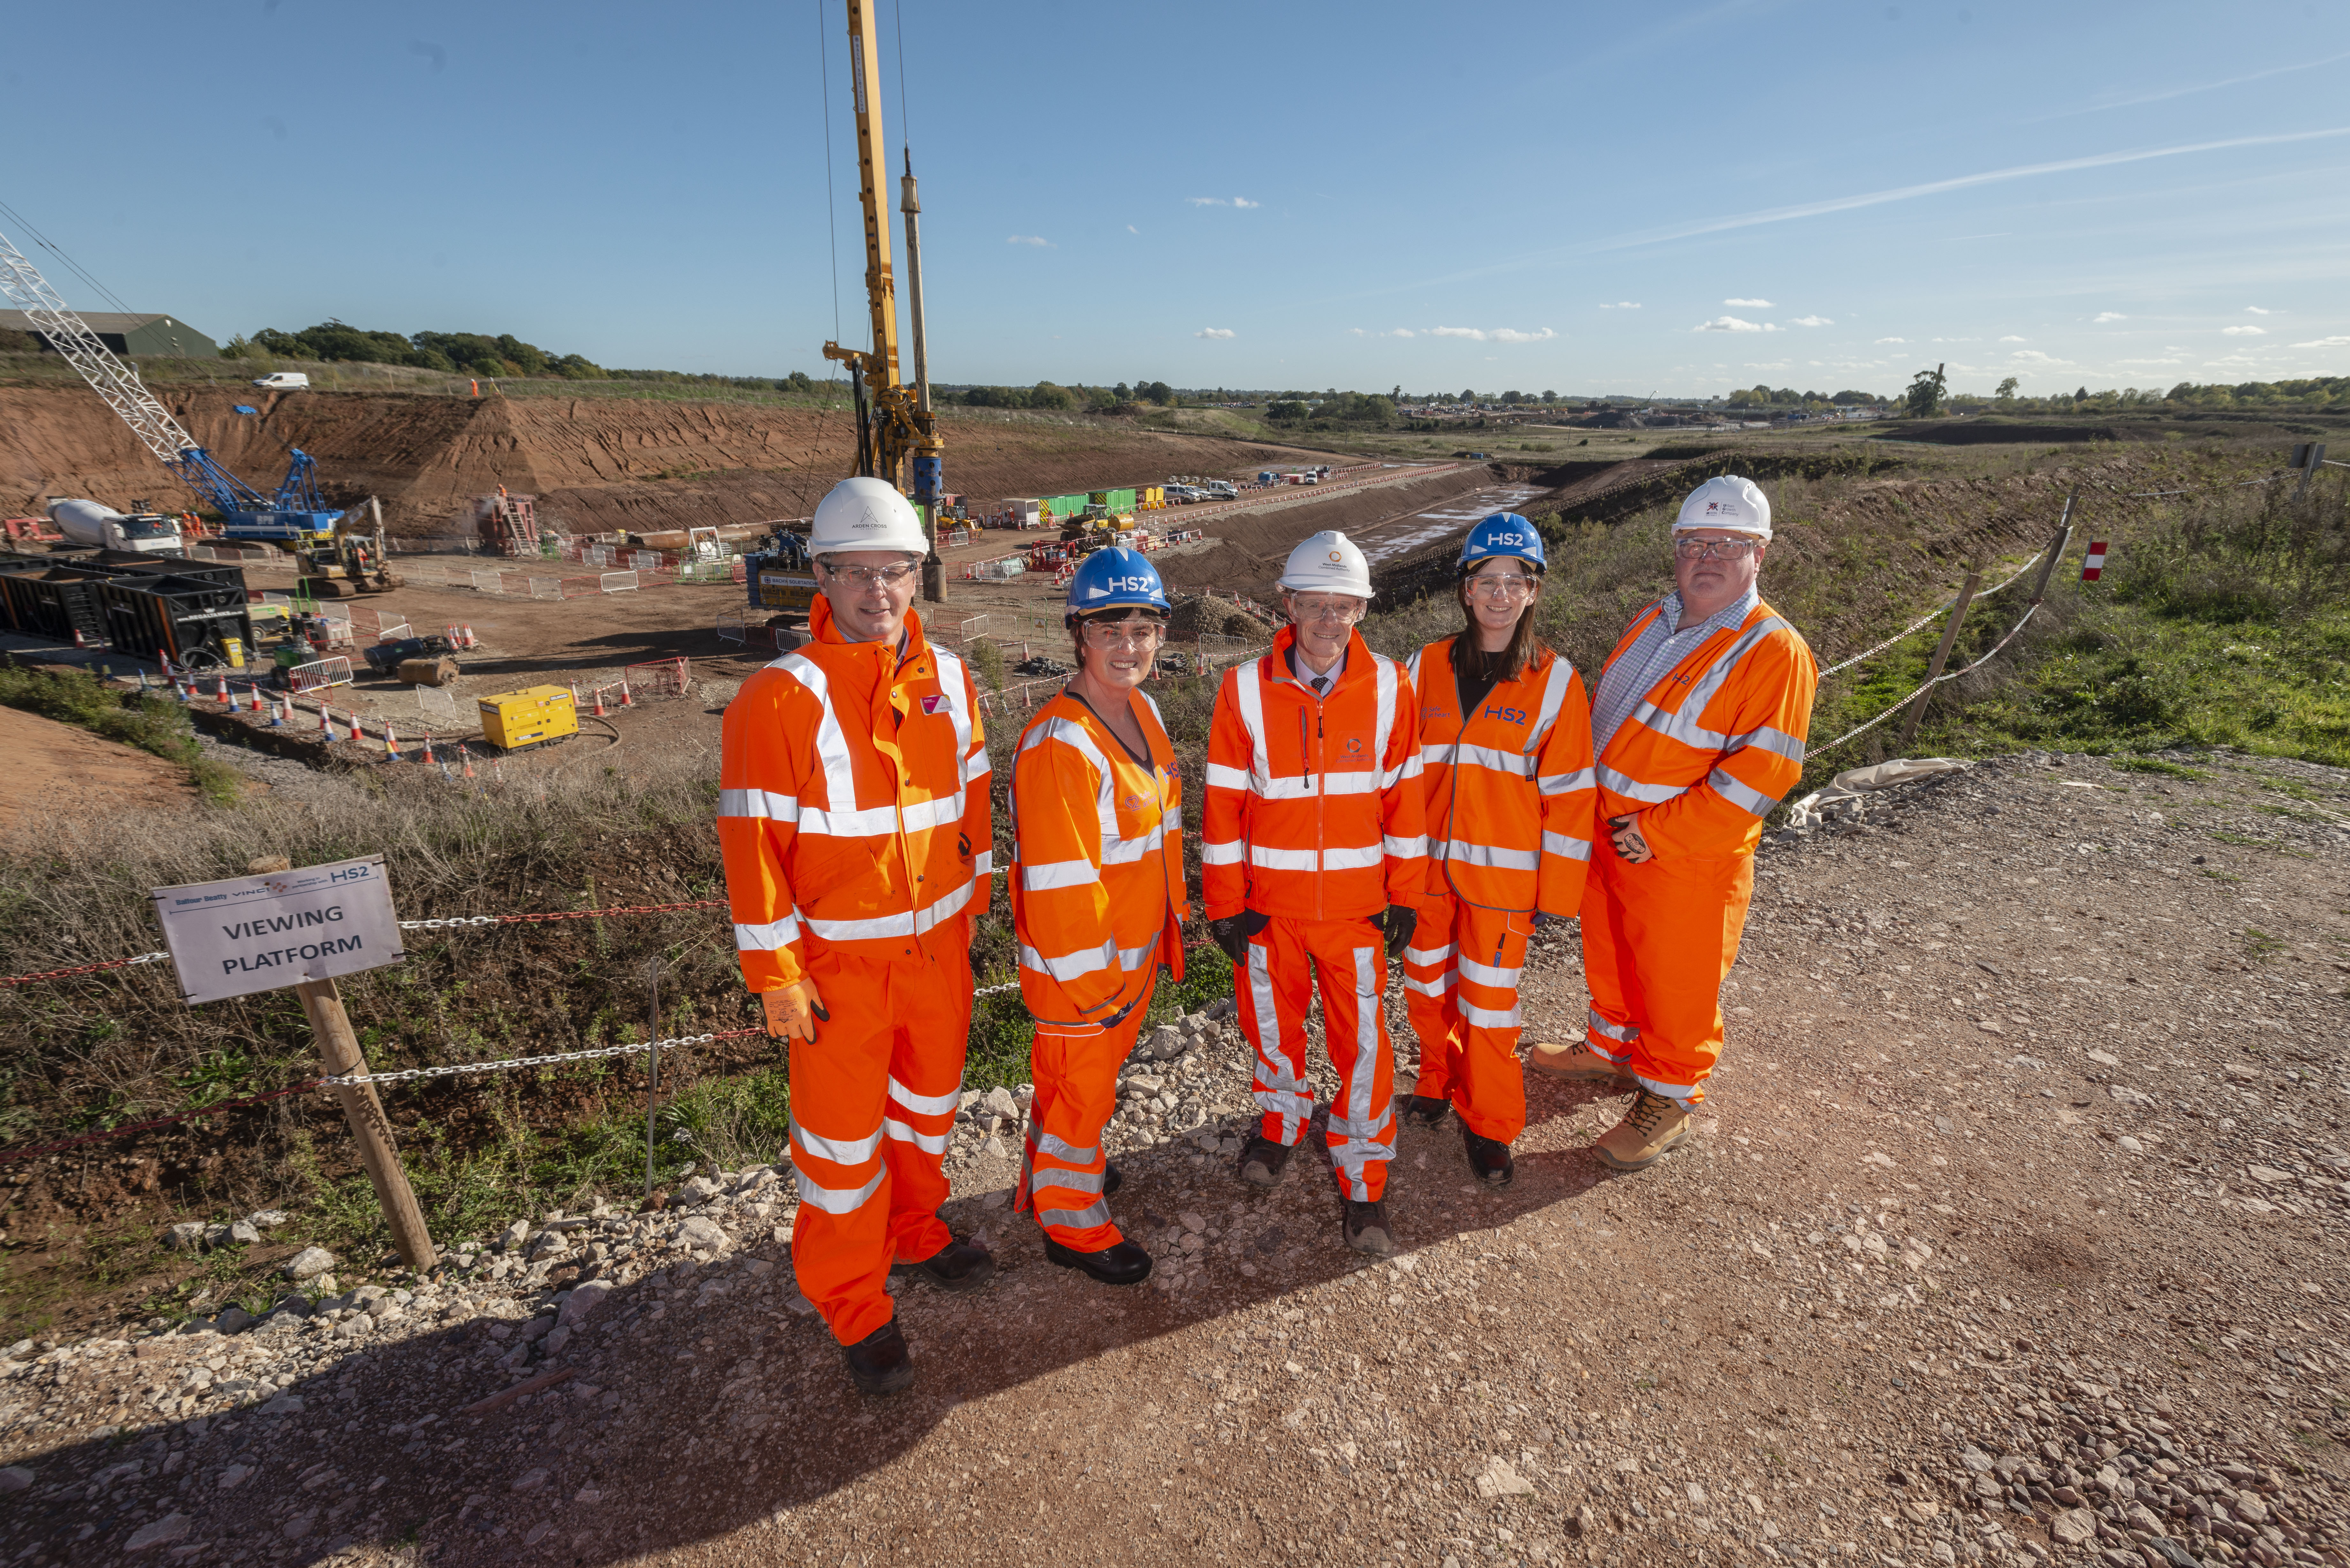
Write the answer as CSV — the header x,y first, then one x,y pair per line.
x,y
2014,1232
58,775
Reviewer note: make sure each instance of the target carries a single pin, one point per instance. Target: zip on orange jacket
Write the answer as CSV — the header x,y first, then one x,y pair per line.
x,y
1314,818
1097,905
853,819
1712,747
1510,793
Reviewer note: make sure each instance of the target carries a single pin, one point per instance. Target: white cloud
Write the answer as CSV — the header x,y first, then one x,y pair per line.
x,y
2254,311
1245,202
1732,324
1893,340
1622,305
1814,321
1222,202
2034,356
2105,315
2325,343
1132,230
1357,332
2015,339
1027,240
1215,332
1401,332
1456,332
1750,304
1773,365
2243,331
1512,335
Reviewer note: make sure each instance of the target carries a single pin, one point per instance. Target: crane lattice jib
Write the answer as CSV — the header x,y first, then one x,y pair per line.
x,y
117,382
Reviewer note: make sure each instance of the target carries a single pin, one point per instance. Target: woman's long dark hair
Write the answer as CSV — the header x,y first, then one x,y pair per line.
x,y
1521,650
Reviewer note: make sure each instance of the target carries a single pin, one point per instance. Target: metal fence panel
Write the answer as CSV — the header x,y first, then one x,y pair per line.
x,y
618,582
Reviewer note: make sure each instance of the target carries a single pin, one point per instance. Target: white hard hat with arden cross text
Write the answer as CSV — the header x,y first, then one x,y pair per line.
x,y
866,514
1728,502
1328,562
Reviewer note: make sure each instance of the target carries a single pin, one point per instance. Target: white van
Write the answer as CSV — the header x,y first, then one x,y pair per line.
x,y
284,382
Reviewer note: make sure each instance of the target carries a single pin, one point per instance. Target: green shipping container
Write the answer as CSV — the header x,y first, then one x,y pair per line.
x,y
1122,500
1068,505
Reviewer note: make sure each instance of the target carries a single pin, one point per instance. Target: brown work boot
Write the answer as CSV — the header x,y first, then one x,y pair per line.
x,y
1655,1126
1577,1064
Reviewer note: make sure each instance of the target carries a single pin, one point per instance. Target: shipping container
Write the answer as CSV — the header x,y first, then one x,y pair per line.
x,y
187,619
44,600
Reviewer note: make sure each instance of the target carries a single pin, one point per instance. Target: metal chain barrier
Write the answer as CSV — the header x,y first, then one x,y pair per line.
x,y
1947,675
84,969
510,1063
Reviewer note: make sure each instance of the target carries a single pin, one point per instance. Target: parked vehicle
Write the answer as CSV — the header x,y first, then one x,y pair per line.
x,y
284,382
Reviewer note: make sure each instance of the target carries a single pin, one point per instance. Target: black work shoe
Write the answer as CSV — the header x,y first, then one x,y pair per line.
x,y
1489,1159
1426,1110
1368,1229
1124,1264
1112,1178
1262,1160
957,1266
880,1363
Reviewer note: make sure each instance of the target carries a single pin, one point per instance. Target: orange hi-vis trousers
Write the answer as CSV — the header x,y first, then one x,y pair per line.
x,y
1348,958
1658,939
1077,1093
1460,987
873,1101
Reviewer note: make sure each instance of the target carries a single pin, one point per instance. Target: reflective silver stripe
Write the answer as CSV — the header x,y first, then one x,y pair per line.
x,y
1741,794
1283,1102
1460,754
1220,852
1488,855
1404,848
1126,851
1554,696
1072,734
1487,1018
1566,783
1058,874
1411,667
837,1200
1769,739
1067,967
759,803
1281,859
955,685
1437,987
1631,788
1248,692
1075,1219
881,821
1043,1142
1605,1055
1622,1033
1425,956
1680,1093
1303,786
766,939
912,924
925,1105
928,1143
983,862
1682,724
1132,959
1350,1157
1560,845
977,766
831,741
1074,1180
839,1150
1486,974
1352,860
1351,1129
1409,768
1222,777
1390,682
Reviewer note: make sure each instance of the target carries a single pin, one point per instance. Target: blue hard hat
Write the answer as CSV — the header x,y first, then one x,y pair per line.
x,y
1503,534
1115,578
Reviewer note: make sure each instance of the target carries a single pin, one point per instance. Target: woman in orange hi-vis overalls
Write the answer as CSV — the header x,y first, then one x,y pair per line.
x,y
1506,752
1700,718
1097,901
853,817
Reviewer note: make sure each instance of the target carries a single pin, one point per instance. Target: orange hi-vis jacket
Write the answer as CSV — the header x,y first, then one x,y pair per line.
x,y
1510,787
1314,809
1717,743
853,800
1097,862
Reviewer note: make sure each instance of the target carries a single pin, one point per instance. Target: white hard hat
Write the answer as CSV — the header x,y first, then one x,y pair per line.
x,y
866,514
1328,562
1728,502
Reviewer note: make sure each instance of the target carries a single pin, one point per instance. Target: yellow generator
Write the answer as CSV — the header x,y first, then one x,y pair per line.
x,y
534,716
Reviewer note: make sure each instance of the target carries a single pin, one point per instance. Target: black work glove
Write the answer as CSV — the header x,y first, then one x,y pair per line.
x,y
1231,934
1545,918
1397,923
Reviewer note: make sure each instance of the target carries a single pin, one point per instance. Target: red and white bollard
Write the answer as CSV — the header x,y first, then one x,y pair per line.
x,y
390,745
428,748
327,722
625,700
220,693
599,701
469,763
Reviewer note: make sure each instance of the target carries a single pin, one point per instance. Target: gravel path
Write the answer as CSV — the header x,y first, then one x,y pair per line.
x,y
2014,1234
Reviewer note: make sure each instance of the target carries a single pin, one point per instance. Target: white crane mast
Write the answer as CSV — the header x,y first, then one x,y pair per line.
x,y
107,376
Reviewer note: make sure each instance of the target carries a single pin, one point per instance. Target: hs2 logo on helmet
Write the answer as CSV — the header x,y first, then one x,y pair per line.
x,y
1126,584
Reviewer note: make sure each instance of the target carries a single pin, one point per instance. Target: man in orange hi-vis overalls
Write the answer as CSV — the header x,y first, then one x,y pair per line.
x,y
1097,900
1505,744
1311,857
1700,720
853,817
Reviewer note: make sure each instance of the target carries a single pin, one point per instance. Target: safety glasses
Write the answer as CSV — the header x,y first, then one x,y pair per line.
x,y
1714,549
1501,586
1142,635
872,576
1346,612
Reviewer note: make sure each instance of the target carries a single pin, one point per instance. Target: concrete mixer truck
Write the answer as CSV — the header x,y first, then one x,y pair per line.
x,y
88,523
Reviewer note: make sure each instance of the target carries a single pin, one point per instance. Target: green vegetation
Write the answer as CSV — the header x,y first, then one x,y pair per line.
x,y
151,722
456,353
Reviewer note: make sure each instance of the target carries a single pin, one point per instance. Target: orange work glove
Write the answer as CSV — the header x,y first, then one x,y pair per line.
x,y
792,1011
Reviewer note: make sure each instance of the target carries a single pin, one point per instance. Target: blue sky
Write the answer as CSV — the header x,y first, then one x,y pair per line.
x,y
1663,197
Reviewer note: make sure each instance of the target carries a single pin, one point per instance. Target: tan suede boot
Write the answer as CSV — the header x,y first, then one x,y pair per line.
x,y
1578,1064
1655,1126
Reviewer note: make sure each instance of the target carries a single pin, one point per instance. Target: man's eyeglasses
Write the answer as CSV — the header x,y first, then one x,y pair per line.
x,y
1347,611
1714,549
1501,586
872,576
1140,636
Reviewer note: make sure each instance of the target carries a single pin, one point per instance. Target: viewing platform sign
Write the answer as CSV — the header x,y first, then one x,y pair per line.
x,y
279,929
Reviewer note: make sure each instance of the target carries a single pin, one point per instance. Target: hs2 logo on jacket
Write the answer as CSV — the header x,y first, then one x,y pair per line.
x,y
1507,715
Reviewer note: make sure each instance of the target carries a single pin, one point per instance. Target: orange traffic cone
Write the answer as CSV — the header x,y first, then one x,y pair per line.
x,y
221,694
427,750
626,701
469,763
390,745
599,701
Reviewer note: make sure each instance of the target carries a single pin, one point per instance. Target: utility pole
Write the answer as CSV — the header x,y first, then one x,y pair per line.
x,y
929,466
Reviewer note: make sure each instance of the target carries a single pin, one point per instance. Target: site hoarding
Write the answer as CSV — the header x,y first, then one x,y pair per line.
x,y
279,929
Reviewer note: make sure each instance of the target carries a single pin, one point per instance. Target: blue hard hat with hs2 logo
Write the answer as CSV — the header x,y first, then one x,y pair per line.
x,y
1115,578
1503,534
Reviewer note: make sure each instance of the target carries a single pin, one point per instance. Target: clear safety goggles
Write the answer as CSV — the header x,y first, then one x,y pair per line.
x,y
1501,585
1344,609
872,576
1110,636
1714,549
